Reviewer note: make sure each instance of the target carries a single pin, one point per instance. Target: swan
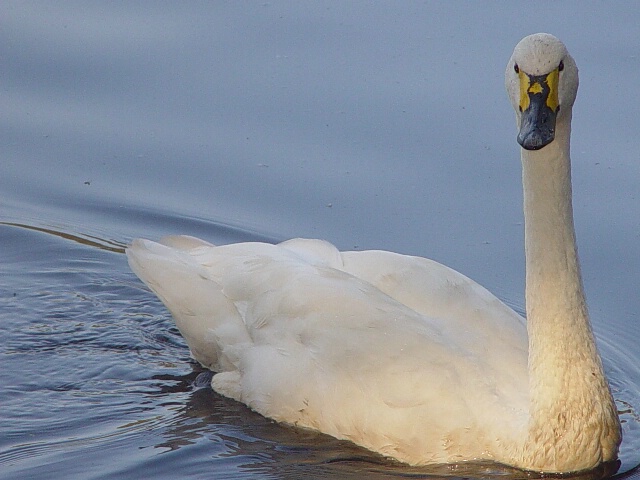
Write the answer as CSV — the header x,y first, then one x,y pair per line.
x,y
403,355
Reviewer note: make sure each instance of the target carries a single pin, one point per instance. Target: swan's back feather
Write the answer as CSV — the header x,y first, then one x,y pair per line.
x,y
348,343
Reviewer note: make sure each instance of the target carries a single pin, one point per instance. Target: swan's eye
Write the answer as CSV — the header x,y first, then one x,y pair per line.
x,y
516,68
561,66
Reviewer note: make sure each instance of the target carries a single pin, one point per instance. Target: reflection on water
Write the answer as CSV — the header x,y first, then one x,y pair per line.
x,y
278,451
89,240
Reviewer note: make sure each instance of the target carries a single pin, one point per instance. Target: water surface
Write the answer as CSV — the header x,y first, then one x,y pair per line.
x,y
372,125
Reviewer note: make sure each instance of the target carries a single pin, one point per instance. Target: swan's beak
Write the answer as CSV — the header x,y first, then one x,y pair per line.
x,y
539,107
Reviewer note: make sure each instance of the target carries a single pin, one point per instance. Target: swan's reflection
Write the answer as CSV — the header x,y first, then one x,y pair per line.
x,y
246,442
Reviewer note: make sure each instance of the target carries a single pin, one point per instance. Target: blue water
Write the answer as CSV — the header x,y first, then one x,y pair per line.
x,y
372,125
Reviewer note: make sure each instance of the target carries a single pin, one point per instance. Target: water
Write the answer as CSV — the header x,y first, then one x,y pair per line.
x,y
379,125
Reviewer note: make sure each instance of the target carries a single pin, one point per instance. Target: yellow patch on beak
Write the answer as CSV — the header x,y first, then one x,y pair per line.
x,y
535,87
552,80
532,85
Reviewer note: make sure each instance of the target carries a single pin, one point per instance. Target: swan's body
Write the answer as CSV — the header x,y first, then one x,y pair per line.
x,y
403,355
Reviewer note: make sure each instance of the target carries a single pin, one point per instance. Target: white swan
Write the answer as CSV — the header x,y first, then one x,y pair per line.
x,y
403,355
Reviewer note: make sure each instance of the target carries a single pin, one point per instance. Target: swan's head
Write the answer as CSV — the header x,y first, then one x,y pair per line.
x,y
542,82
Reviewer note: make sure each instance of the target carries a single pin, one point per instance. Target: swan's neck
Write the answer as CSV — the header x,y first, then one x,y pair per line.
x,y
570,401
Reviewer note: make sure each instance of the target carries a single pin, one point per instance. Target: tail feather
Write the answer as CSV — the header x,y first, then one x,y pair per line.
x,y
206,318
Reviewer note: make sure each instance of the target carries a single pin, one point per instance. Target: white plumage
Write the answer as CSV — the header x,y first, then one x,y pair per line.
x,y
401,354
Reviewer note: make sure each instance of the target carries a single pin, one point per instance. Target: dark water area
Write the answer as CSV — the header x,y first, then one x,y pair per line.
x,y
372,125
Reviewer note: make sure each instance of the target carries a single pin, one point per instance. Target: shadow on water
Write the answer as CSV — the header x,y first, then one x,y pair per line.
x,y
261,446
